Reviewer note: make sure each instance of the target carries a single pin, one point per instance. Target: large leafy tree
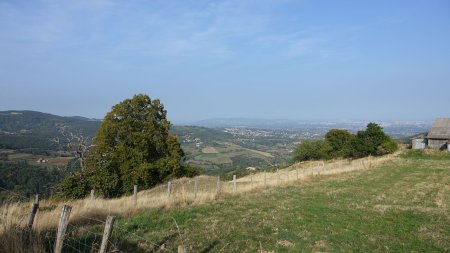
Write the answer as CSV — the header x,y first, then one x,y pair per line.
x,y
133,146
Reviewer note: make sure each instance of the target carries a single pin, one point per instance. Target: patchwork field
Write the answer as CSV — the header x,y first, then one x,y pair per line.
x,y
14,156
221,155
219,151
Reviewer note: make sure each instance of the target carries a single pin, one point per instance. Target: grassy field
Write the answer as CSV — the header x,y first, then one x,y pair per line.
x,y
226,155
14,156
401,206
387,204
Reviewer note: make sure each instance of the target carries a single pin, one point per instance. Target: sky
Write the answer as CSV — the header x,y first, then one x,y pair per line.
x,y
271,59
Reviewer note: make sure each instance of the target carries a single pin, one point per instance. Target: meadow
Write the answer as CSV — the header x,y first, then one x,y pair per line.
x,y
388,204
400,206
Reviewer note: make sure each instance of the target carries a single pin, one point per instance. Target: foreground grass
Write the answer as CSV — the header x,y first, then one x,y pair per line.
x,y
397,207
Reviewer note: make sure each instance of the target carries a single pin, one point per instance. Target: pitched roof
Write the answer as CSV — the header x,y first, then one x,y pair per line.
x,y
440,129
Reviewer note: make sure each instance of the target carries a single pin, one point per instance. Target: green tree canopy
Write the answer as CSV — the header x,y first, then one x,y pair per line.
x,y
341,143
133,146
338,140
372,141
312,150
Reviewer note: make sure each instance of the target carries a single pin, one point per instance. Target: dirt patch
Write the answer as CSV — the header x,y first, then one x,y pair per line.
x,y
210,150
320,243
286,243
59,160
304,234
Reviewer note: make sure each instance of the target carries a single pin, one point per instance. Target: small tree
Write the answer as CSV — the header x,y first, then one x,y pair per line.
x,y
338,140
341,143
313,150
372,141
133,146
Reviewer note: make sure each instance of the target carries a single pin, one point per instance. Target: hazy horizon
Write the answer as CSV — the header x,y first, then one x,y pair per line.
x,y
230,120
296,60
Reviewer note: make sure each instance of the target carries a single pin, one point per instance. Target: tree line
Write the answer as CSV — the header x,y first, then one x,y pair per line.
x,y
339,143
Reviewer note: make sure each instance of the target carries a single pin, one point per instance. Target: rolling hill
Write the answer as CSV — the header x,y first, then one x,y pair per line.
x,y
36,131
31,132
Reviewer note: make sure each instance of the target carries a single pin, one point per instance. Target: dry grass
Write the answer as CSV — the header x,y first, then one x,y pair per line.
x,y
14,237
13,217
182,194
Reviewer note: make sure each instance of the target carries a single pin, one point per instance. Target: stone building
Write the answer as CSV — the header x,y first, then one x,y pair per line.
x,y
439,135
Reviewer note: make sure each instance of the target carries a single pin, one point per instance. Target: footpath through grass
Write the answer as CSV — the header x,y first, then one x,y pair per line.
x,y
401,206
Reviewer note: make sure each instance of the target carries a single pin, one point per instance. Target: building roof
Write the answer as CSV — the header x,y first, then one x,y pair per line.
x,y
440,129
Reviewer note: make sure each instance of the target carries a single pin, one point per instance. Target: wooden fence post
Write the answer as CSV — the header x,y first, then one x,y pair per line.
x,y
234,183
169,189
135,191
195,187
218,184
62,227
92,194
34,209
107,233
251,180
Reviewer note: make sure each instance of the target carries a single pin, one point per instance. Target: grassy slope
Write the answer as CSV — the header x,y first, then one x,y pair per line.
x,y
401,206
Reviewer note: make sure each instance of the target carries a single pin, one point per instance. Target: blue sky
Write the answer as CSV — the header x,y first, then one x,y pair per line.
x,y
307,60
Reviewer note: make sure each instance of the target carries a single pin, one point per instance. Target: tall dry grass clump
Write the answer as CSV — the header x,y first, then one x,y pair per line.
x,y
14,235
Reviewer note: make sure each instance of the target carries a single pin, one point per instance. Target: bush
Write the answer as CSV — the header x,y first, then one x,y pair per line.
x,y
372,141
387,147
341,143
313,150
338,140
75,186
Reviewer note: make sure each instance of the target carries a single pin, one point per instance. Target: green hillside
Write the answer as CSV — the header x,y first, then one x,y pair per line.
x,y
36,131
402,206
215,150
33,151
218,151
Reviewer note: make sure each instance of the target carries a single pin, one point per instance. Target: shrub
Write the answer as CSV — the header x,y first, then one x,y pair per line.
x,y
313,150
338,140
341,143
372,141
75,186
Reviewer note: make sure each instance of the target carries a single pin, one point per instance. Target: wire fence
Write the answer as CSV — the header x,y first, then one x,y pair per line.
x,y
86,228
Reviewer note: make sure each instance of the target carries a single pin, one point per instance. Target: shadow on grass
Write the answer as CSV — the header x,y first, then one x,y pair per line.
x,y
210,247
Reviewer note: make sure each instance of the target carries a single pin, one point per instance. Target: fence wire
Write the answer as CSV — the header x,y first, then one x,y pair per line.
x,y
86,232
